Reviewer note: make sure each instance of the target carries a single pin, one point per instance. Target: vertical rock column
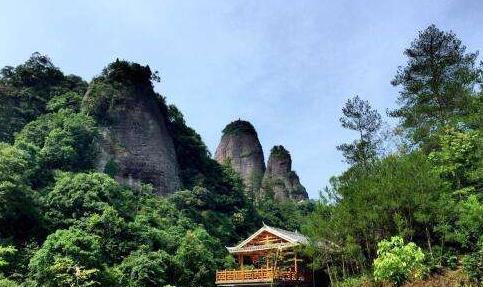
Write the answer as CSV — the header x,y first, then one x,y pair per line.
x,y
240,148
280,181
135,146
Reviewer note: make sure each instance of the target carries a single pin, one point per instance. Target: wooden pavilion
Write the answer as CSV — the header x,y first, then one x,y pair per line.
x,y
267,258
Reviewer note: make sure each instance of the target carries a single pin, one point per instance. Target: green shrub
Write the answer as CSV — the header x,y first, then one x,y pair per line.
x,y
239,126
279,152
65,140
70,100
473,265
68,258
144,268
442,257
4,282
18,202
111,168
397,262
5,253
103,101
77,196
357,281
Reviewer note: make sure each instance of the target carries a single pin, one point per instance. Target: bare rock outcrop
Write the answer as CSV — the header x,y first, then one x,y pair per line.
x,y
240,148
135,146
280,181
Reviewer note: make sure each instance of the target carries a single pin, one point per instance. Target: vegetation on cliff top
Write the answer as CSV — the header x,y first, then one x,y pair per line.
x,y
120,83
279,152
239,127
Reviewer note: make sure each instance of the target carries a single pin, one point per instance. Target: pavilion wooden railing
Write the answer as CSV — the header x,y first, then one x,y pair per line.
x,y
258,275
265,274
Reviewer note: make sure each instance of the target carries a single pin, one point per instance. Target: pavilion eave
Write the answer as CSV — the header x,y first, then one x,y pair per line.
x,y
249,249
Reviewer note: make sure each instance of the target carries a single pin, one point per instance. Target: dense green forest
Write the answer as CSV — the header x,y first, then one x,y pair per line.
x,y
427,190
396,214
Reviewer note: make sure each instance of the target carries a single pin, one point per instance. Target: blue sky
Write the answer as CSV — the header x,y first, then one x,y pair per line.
x,y
286,66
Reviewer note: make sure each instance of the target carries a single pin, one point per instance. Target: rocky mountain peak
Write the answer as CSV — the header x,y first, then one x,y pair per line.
x,y
241,149
135,145
279,161
280,181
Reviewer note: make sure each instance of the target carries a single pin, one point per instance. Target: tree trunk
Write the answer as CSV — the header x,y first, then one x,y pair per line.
x,y
428,237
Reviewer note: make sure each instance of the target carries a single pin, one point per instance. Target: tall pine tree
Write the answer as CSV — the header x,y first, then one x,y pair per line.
x,y
437,84
358,115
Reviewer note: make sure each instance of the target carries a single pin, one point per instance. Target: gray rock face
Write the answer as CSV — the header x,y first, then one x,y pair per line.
x,y
240,148
279,180
137,148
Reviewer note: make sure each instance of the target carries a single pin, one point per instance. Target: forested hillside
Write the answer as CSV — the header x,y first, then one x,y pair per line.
x,y
67,221
79,208
416,210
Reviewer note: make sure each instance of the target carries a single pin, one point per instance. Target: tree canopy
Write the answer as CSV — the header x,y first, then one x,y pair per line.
x,y
359,116
437,83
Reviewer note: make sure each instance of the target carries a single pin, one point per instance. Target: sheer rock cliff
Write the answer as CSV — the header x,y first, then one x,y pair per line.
x,y
135,146
240,148
280,181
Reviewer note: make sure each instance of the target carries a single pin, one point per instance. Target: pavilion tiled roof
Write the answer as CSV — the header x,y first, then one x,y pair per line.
x,y
292,238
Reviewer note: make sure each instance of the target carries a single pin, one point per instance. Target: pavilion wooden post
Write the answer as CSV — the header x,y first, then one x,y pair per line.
x,y
240,259
296,266
268,259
